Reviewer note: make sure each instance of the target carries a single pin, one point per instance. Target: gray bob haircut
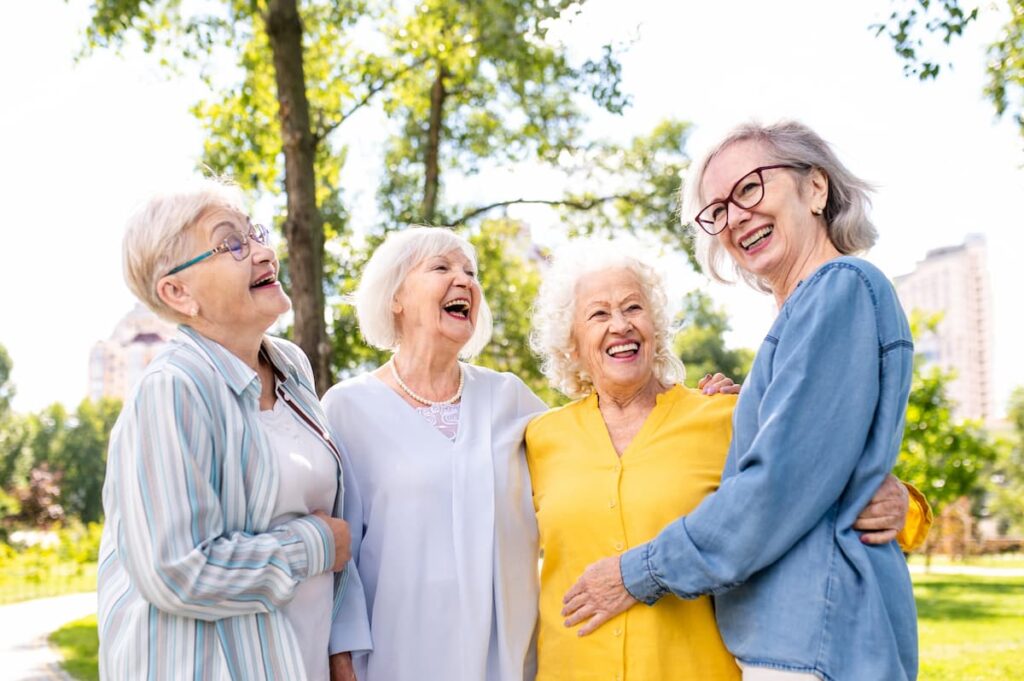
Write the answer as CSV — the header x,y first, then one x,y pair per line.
x,y
156,237
846,219
554,313
387,269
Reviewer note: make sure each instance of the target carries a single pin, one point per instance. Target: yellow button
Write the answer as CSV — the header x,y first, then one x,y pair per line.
x,y
618,631
618,468
619,546
611,503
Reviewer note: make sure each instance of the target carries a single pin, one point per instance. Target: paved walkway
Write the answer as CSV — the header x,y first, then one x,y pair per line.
x,y
25,654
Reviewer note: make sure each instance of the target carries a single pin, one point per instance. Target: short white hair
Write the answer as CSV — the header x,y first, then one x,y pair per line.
x,y
555,311
156,238
846,210
387,269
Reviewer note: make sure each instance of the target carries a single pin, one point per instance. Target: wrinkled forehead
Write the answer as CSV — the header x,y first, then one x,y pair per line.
x,y
455,253
218,221
609,285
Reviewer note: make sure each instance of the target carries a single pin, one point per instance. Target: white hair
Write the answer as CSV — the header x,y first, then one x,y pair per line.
x,y
387,269
156,236
791,142
555,310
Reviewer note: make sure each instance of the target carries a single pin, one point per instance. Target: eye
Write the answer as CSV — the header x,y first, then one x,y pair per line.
x,y
717,211
470,273
635,307
234,243
598,314
747,189
440,268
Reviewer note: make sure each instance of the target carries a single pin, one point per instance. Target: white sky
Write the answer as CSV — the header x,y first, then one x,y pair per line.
x,y
83,144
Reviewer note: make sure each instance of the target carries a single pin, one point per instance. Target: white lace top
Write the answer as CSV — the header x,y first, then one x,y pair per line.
x,y
444,417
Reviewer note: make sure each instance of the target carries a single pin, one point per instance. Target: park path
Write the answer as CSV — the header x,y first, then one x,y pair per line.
x,y
25,654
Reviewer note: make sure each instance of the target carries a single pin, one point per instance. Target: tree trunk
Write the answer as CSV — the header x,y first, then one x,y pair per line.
x,y
432,174
303,227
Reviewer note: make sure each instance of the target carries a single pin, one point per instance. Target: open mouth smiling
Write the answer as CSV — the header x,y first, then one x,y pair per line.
x,y
458,308
267,280
623,350
756,237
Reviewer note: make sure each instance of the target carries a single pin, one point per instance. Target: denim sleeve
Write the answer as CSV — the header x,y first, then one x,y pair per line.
x,y
814,419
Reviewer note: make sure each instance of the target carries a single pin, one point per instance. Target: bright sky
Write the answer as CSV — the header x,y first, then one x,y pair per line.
x,y
86,143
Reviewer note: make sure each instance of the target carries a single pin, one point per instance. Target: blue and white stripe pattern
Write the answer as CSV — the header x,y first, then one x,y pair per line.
x,y
191,578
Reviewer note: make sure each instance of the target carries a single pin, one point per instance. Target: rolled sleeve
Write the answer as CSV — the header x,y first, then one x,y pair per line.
x,y
638,577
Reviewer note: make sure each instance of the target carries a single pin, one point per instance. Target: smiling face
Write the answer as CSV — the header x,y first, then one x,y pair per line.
x,y
232,296
613,331
439,301
774,238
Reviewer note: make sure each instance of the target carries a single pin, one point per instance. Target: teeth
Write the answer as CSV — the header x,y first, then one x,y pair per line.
x,y
459,304
624,347
755,237
269,279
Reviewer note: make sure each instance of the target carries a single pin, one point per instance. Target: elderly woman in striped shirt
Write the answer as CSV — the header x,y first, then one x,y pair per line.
x,y
223,556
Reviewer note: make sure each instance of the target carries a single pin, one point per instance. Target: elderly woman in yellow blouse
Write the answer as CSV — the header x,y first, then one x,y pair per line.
x,y
610,470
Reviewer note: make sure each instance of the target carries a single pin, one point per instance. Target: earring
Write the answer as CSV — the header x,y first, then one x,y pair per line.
x,y
194,312
817,211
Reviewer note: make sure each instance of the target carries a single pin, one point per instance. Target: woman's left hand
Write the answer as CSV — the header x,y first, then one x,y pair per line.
x,y
597,596
341,667
719,383
883,518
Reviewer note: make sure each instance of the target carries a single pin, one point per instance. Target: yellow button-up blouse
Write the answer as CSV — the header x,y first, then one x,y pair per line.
x,y
592,503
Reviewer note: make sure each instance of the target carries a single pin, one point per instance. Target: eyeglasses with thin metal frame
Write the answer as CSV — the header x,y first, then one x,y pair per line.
x,y
745,194
235,243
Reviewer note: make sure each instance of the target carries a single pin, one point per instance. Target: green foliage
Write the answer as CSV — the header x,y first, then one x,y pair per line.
x,y
6,387
701,342
71,446
1006,500
914,22
510,278
79,646
56,562
942,457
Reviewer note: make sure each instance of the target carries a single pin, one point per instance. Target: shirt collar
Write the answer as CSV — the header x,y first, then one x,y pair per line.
x,y
237,374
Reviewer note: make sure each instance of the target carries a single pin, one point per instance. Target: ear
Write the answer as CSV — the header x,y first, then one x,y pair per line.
x,y
817,185
176,295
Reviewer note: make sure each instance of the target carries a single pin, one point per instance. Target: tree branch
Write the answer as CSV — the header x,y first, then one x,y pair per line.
x,y
575,204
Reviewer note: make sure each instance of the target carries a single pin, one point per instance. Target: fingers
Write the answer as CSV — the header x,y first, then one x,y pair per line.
x,y
702,382
878,537
595,622
885,522
574,604
576,590
585,612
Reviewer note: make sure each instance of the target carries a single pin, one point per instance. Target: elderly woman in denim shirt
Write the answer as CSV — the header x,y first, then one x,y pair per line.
x,y
816,430
223,554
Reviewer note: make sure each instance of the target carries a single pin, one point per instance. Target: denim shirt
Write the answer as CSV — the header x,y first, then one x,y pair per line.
x,y
817,428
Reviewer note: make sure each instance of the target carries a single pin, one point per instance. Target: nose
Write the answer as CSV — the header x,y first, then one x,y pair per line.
x,y
619,323
736,214
261,253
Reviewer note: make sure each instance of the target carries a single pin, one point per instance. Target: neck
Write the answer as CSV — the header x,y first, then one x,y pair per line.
x,y
432,370
622,398
816,255
244,346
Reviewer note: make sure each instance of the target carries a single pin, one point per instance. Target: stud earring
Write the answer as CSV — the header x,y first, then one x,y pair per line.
x,y
194,312
817,211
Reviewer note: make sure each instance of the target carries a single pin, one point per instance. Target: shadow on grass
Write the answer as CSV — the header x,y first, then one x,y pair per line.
x,y
957,600
79,645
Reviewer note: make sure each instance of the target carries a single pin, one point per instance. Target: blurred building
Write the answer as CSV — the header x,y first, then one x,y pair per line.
x,y
117,363
954,281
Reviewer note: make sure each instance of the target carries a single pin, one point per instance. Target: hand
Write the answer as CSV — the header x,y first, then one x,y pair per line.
x,y
341,667
719,383
342,540
886,513
598,596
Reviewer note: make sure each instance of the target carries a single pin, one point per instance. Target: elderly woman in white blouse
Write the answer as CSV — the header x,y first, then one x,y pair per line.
x,y
222,555
439,499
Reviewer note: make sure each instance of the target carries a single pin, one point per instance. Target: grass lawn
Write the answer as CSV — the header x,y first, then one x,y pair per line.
x,y
33,577
971,628
1007,560
79,646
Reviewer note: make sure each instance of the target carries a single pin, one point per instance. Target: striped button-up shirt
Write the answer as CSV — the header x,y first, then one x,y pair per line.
x,y
192,578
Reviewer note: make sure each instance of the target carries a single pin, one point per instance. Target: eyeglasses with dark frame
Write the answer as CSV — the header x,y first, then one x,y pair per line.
x,y
235,243
745,194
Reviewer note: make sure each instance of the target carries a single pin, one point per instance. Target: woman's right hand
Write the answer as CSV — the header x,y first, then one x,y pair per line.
x,y
342,540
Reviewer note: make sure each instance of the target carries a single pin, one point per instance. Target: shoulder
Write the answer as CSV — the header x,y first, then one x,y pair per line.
x,y
559,419
351,389
712,409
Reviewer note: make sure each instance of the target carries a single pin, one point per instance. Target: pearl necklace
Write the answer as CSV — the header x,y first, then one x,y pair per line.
x,y
408,391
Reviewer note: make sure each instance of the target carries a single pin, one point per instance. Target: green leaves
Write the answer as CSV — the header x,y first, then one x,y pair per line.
x,y
701,342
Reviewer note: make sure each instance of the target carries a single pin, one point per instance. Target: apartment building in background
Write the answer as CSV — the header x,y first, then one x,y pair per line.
x,y
954,281
117,363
